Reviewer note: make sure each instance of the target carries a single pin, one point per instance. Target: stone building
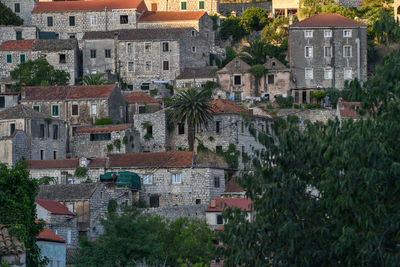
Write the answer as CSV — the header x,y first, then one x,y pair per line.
x,y
276,81
46,138
18,33
97,142
88,201
61,54
172,178
13,148
59,219
145,58
71,19
22,8
211,7
140,102
77,105
325,51
53,247
195,77
8,99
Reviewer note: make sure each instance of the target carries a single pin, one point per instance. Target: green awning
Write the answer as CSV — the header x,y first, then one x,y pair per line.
x,y
123,179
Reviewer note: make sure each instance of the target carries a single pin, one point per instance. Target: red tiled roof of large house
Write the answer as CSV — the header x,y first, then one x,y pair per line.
x,y
226,106
96,91
158,159
220,204
104,129
327,20
97,163
171,15
17,45
233,187
48,235
90,5
139,97
54,207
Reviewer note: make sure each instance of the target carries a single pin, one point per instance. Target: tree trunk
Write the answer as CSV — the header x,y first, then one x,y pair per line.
x,y
191,136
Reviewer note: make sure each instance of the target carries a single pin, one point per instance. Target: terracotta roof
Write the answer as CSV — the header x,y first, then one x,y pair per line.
x,y
17,45
220,204
349,109
9,93
327,20
158,159
274,64
139,97
97,163
9,244
233,187
104,129
197,73
58,6
19,112
65,192
227,106
54,207
236,65
171,15
53,164
96,91
48,235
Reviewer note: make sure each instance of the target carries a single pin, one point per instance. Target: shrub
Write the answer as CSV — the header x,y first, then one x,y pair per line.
x,y
117,144
110,147
103,121
125,140
284,102
80,171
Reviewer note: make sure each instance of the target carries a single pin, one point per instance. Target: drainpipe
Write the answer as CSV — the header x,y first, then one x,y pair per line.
x,y
358,59
106,13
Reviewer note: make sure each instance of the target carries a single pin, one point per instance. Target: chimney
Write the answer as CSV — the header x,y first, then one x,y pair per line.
x,y
213,203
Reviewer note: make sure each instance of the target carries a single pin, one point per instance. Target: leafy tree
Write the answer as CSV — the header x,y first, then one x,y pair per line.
x,y
333,95
8,17
312,7
371,9
95,79
279,52
39,73
254,19
230,54
257,71
103,121
18,209
255,53
192,107
350,13
386,29
231,27
277,31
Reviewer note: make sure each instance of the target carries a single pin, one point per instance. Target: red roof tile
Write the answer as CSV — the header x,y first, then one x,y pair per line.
x,y
97,163
54,207
224,203
159,159
233,187
227,106
96,91
104,129
349,109
17,45
53,164
55,6
139,97
171,15
48,235
327,20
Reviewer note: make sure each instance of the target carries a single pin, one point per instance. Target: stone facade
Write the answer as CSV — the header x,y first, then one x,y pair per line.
x,y
17,57
13,148
325,57
55,252
175,212
12,33
211,7
23,8
8,100
276,81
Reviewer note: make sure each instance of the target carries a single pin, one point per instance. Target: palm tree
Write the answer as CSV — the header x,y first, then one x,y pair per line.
x,y
194,108
254,54
95,79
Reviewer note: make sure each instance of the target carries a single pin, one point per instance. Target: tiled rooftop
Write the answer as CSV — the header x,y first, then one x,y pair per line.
x,y
54,207
327,20
220,204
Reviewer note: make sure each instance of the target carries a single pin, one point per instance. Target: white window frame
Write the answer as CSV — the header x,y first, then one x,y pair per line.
x,y
347,35
328,73
147,50
69,237
56,116
305,52
147,178
93,20
121,111
33,107
308,77
330,49
176,178
308,34
344,51
132,64
327,33
129,48
93,112
145,66
348,70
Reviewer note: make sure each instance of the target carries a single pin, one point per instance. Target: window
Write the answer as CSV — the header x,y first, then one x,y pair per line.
x,y
147,178
2,102
153,7
198,201
347,51
92,53
328,34
93,20
62,58
328,74
346,33
36,107
201,4
100,137
328,51
93,109
193,33
165,65
242,127
149,130
148,66
121,112
72,36
348,74
107,53
41,154
220,219
69,237
41,131
237,80
55,132
55,110
18,35
181,128
216,182
154,201
304,96
309,74
165,47
145,86
271,79
308,51
130,87
130,48
75,110
218,149
9,58
217,126
71,20
237,63
50,21
17,8
22,58
12,128
193,49
147,47
183,5
130,66
308,34
142,109
176,178
123,19
54,154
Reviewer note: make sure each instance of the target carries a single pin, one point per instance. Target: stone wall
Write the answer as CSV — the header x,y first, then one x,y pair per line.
x,y
26,8
6,68
313,115
65,226
227,8
14,148
245,88
210,7
133,108
175,212
64,176
100,64
10,100
10,32
280,85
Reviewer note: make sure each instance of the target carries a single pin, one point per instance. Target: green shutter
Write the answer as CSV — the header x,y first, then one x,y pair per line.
x,y
9,58
55,110
201,5
183,5
22,58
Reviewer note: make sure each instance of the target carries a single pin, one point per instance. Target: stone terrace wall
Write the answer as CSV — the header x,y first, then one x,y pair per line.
x,y
174,212
226,8
313,115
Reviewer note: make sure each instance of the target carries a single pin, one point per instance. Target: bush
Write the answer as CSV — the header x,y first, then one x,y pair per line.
x,y
80,171
254,19
117,144
284,102
318,95
153,92
333,95
104,121
231,27
110,147
313,106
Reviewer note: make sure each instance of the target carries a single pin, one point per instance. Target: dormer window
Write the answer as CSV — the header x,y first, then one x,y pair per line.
x,y
237,63
273,64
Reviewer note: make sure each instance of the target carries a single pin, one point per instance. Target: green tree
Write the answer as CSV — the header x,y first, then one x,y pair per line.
x,y
192,107
255,53
8,17
350,13
39,73
18,209
313,7
386,29
371,9
279,52
95,79
277,31
230,55
257,71
231,27
254,19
